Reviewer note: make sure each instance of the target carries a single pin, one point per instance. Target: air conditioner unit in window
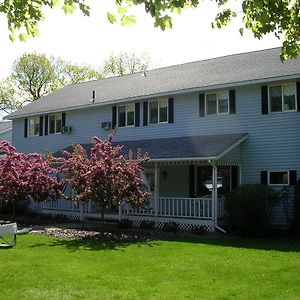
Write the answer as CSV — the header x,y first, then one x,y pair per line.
x,y
66,129
106,125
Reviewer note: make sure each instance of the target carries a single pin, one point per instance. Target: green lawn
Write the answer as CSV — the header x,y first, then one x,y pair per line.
x,y
205,268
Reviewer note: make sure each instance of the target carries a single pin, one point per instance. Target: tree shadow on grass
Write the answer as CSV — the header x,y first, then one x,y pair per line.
x,y
74,245
282,244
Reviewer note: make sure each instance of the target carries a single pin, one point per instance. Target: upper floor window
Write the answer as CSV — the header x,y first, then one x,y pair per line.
x,y
55,123
282,97
126,115
34,126
217,103
158,111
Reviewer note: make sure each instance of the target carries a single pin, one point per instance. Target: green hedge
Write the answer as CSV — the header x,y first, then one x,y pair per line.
x,y
249,209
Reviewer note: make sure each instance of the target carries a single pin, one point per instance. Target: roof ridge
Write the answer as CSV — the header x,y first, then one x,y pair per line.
x,y
173,66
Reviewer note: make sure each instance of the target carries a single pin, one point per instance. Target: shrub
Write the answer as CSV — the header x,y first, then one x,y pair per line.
x,y
125,223
249,209
171,226
147,224
296,224
199,230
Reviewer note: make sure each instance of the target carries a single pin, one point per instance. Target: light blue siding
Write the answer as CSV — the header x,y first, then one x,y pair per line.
x,y
273,142
7,135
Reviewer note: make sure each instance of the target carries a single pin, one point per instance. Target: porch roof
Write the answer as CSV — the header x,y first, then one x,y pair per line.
x,y
207,147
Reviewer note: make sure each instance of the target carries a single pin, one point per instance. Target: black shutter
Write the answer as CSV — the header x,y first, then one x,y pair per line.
x,y
114,117
234,177
137,114
171,110
145,113
192,181
201,105
298,95
293,177
264,177
63,119
25,127
46,125
264,100
232,101
41,125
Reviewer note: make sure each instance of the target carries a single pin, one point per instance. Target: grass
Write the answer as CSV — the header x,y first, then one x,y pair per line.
x,y
41,267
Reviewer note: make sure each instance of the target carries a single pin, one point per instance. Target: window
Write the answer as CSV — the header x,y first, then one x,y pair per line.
x,y
126,115
34,126
282,97
278,178
55,123
217,103
158,111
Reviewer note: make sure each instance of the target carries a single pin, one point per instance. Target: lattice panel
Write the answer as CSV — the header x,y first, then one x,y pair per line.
x,y
185,225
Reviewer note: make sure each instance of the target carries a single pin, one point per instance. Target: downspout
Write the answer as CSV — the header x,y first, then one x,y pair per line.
x,y
215,196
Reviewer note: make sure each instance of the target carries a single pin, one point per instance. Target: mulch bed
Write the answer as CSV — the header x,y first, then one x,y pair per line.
x,y
110,233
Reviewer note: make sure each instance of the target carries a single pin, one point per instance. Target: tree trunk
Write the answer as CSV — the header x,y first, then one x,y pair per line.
x,y
13,210
102,214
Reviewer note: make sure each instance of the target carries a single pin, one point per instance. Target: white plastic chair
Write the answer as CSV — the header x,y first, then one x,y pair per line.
x,y
8,234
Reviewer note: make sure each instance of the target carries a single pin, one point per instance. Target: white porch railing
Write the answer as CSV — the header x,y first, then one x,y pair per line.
x,y
198,208
66,205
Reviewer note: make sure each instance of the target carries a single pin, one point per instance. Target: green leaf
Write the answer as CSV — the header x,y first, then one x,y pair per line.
x,y
111,18
12,37
69,8
128,20
23,37
122,10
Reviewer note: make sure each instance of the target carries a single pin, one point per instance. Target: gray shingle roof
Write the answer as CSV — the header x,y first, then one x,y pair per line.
x,y
4,126
199,75
196,147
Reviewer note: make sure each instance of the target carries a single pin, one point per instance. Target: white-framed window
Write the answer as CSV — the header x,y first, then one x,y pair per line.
x,y
158,111
282,97
34,126
126,115
278,178
55,123
217,103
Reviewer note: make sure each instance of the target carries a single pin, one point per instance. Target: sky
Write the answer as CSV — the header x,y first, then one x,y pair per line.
x,y
90,40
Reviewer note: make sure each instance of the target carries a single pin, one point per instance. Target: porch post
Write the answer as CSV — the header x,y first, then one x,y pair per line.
x,y
156,189
215,194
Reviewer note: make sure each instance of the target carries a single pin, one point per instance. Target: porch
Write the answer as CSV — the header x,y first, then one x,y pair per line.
x,y
187,179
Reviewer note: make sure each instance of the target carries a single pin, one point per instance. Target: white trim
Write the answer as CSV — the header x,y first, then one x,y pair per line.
x,y
28,127
281,85
279,184
49,133
6,130
158,115
126,106
232,146
164,94
217,103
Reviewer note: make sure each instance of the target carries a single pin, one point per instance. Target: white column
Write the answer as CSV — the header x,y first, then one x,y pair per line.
x,y
120,210
156,189
215,194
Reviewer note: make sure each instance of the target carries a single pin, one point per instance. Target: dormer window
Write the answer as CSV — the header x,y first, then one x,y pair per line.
x,y
126,115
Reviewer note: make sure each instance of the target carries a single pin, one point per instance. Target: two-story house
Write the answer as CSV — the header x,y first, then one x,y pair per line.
x,y
208,127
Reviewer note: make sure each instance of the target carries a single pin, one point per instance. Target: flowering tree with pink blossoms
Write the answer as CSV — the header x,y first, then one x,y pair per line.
x,y
25,175
105,176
